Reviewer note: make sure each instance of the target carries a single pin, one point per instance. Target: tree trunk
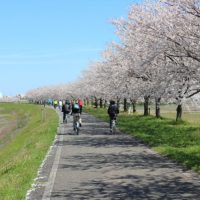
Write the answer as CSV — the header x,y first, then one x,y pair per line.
x,y
92,102
105,104
146,105
96,102
118,102
125,105
179,112
133,105
101,103
87,101
158,107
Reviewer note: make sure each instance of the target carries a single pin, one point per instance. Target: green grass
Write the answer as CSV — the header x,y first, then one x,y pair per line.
x,y
169,111
178,140
24,151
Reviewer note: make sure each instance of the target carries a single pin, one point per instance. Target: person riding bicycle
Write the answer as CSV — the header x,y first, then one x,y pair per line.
x,y
112,112
80,102
76,112
66,109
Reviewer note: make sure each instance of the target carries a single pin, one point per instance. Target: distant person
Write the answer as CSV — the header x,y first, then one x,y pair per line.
x,y
66,109
60,103
55,104
80,102
112,112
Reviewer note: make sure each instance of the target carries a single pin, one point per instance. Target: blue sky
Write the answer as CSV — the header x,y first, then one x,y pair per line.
x,y
48,42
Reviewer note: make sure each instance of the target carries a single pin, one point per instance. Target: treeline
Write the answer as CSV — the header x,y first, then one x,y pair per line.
x,y
157,59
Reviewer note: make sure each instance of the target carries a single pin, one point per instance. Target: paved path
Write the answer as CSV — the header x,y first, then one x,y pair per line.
x,y
97,165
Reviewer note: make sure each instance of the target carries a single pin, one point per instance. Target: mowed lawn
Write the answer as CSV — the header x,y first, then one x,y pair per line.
x,y
179,141
26,132
190,114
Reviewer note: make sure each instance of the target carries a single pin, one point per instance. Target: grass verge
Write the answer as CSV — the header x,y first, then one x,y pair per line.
x,y
24,151
179,141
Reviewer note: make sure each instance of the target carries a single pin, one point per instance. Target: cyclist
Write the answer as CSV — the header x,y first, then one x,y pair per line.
x,y
80,102
112,112
76,113
66,109
55,104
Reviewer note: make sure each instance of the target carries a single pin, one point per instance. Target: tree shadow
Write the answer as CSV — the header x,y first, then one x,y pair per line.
x,y
127,160
136,188
99,141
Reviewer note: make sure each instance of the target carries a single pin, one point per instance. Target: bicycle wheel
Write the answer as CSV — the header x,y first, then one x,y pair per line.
x,y
77,128
113,127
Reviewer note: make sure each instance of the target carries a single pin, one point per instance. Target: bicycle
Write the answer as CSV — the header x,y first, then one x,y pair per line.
x,y
65,116
76,123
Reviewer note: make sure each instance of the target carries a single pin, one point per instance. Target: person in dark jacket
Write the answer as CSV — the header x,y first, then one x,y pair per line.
x,y
112,111
66,109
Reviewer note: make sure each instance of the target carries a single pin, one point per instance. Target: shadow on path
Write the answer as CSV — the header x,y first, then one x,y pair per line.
x,y
135,188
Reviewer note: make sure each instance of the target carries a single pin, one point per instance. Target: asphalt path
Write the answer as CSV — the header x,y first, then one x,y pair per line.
x,y
98,165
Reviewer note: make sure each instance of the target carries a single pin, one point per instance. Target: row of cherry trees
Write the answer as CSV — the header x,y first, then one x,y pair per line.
x,y
157,58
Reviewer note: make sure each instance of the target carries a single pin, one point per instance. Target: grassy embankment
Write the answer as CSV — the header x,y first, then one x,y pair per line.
x,y
178,140
25,138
